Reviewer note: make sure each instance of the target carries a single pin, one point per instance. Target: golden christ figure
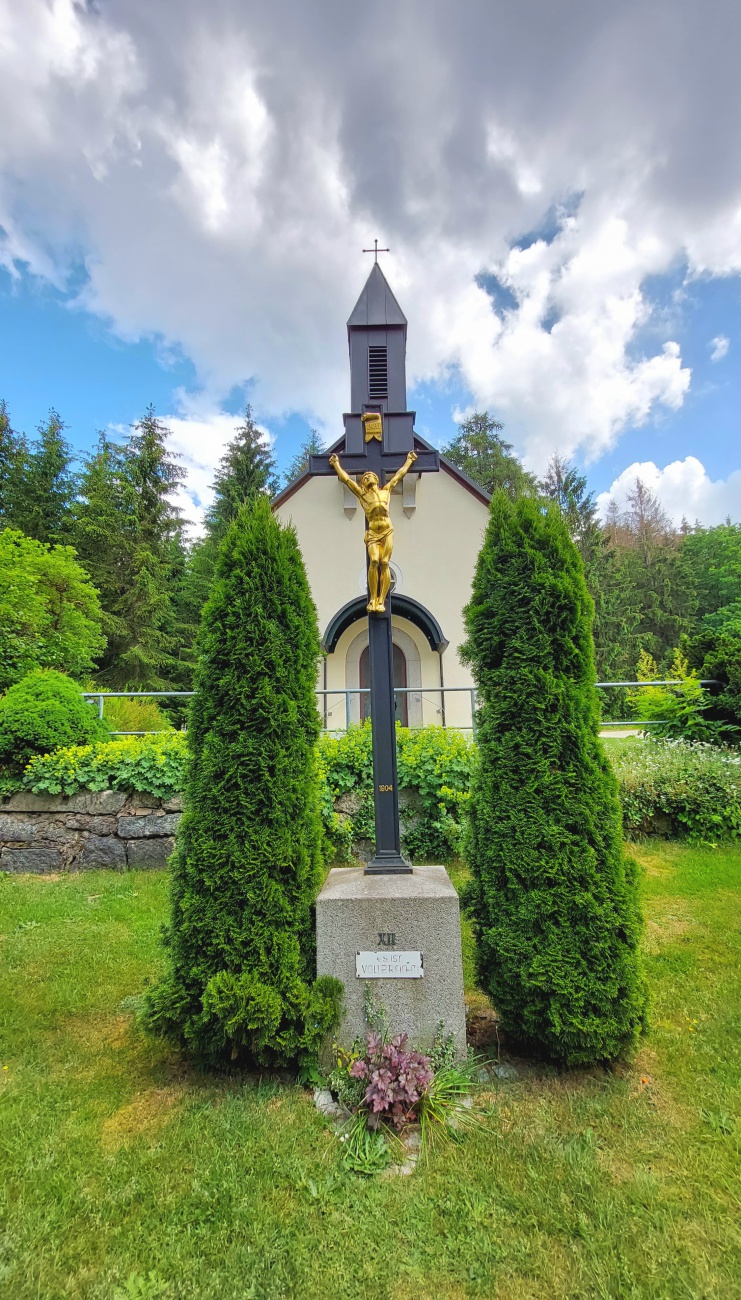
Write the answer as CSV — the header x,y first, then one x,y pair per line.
x,y
379,536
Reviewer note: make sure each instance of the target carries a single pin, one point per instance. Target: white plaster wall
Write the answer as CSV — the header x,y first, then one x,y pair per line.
x,y
435,551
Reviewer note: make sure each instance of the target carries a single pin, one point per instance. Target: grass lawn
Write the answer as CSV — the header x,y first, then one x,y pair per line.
x,y
127,1175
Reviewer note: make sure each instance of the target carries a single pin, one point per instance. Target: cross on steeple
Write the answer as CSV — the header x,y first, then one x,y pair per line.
x,y
376,250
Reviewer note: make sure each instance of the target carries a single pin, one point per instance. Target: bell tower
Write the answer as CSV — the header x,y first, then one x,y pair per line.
x,y
377,339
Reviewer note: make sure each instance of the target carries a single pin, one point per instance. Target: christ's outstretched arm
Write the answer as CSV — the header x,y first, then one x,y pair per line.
x,y
398,476
345,478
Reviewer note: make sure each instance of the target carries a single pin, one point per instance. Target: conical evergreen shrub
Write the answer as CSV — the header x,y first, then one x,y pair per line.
x,y
247,864
553,898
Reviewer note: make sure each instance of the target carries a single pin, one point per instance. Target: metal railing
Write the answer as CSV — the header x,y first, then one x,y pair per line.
x,y
421,692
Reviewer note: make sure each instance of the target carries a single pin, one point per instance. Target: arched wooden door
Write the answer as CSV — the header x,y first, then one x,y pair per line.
x,y
400,679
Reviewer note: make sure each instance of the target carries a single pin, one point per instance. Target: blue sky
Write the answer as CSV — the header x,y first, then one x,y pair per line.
x,y
54,353
185,191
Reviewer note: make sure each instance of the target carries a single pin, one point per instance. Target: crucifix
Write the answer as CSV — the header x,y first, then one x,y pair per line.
x,y
379,449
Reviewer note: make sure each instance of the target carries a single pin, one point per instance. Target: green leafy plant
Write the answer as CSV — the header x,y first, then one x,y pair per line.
x,y
445,1111
553,899
680,711
366,1151
673,788
150,764
122,714
42,711
444,1052
50,615
247,865
434,766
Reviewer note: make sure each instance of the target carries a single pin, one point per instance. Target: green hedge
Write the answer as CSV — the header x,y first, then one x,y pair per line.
x,y
434,772
150,764
674,789
665,788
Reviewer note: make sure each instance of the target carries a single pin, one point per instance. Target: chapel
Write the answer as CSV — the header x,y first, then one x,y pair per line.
x,y
438,520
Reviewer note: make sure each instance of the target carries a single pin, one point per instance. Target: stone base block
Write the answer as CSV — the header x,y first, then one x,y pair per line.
x,y
415,913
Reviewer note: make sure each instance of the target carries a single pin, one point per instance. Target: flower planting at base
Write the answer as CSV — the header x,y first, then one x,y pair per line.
x,y
384,1087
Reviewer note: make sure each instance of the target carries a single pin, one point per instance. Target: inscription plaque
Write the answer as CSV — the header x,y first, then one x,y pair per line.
x,y
389,965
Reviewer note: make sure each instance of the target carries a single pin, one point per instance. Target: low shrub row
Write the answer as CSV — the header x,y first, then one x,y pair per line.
x,y
666,788
671,788
434,773
148,764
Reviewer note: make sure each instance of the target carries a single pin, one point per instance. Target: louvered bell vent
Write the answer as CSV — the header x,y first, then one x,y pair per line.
x,y
378,376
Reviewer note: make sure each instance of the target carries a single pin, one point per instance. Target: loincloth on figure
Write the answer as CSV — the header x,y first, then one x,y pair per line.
x,y
377,533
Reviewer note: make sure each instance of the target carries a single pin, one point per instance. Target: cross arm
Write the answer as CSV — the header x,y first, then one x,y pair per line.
x,y
427,462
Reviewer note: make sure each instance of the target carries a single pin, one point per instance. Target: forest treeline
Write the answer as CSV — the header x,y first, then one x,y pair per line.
x,y
121,608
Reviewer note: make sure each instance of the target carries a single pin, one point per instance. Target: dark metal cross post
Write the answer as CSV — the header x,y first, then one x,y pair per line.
x,y
376,333
388,858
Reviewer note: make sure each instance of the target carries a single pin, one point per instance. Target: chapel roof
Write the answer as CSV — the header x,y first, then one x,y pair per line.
x,y
420,444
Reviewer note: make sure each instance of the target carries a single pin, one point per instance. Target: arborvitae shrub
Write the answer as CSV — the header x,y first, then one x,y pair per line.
x,y
554,899
42,711
247,864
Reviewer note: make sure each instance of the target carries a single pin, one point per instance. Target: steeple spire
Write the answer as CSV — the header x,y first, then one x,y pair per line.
x,y
376,304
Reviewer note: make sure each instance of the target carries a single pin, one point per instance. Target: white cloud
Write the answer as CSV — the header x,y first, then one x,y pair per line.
x,y
719,347
684,488
199,438
218,168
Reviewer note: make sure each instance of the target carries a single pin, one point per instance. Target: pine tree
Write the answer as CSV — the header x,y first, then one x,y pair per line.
x,y
43,509
554,901
13,457
478,450
312,446
616,609
247,863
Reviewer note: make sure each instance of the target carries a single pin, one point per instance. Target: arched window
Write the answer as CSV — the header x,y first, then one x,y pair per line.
x,y
400,679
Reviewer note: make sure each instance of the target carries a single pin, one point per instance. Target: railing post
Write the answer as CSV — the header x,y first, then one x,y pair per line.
x,y
347,710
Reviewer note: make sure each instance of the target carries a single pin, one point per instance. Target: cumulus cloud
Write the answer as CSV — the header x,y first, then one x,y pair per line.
x,y
199,439
684,488
216,170
719,347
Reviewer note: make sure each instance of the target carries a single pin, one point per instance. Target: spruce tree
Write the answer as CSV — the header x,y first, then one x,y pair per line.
x,y
13,458
102,531
246,467
43,509
554,900
479,451
247,863
312,446
144,639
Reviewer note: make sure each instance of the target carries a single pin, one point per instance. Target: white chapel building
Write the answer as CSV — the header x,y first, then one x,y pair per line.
x,y
438,519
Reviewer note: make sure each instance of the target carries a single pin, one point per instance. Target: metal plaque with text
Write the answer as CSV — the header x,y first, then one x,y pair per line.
x,y
389,965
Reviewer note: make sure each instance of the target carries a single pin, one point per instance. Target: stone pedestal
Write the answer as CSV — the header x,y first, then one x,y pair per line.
x,y
395,917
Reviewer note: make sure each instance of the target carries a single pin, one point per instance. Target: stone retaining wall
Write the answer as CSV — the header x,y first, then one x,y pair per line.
x,y
110,828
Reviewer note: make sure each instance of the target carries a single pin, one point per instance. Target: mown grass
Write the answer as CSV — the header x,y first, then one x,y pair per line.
x,y
126,1174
